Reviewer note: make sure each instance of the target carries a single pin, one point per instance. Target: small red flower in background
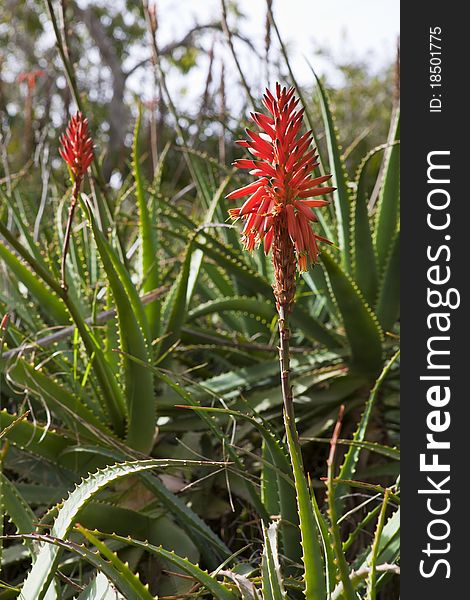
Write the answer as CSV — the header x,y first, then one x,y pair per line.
x,y
76,146
30,77
285,193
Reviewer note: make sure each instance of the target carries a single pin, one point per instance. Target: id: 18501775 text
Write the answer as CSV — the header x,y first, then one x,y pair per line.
x,y
435,69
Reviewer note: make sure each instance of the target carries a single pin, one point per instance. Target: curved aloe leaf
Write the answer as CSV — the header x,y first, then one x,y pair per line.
x,y
216,430
222,255
331,569
388,549
116,571
18,509
175,306
208,543
134,338
41,440
372,579
198,255
349,465
269,486
203,577
314,330
341,194
104,373
314,574
148,236
154,527
61,401
49,302
387,215
24,520
364,263
252,306
361,325
43,570
265,311
140,590
388,302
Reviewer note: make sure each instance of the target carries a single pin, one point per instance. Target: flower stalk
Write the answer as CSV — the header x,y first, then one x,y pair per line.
x,y
279,211
76,148
284,292
68,231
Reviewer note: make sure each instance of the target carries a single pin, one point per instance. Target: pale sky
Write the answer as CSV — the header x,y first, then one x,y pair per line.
x,y
364,29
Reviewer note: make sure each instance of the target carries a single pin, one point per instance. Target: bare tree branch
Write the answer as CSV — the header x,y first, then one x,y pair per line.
x,y
187,41
118,113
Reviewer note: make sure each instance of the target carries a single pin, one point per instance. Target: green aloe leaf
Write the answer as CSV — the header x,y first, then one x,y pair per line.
x,y
225,257
208,543
198,255
364,263
314,574
43,570
265,311
352,456
341,197
388,302
360,323
153,526
24,520
49,302
207,580
387,215
150,270
140,590
115,570
58,398
134,340
33,434
269,483
388,547
175,306
18,509
212,425
331,569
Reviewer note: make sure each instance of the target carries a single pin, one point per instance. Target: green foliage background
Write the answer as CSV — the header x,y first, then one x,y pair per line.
x,y
151,422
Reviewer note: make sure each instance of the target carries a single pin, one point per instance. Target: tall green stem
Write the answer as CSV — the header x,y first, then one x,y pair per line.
x,y
68,231
311,550
284,363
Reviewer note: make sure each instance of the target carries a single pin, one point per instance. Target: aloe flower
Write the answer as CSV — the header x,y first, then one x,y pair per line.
x,y
30,77
281,200
77,146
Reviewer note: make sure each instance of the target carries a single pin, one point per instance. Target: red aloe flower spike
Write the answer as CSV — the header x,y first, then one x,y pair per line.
x,y
77,151
279,209
279,213
76,146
